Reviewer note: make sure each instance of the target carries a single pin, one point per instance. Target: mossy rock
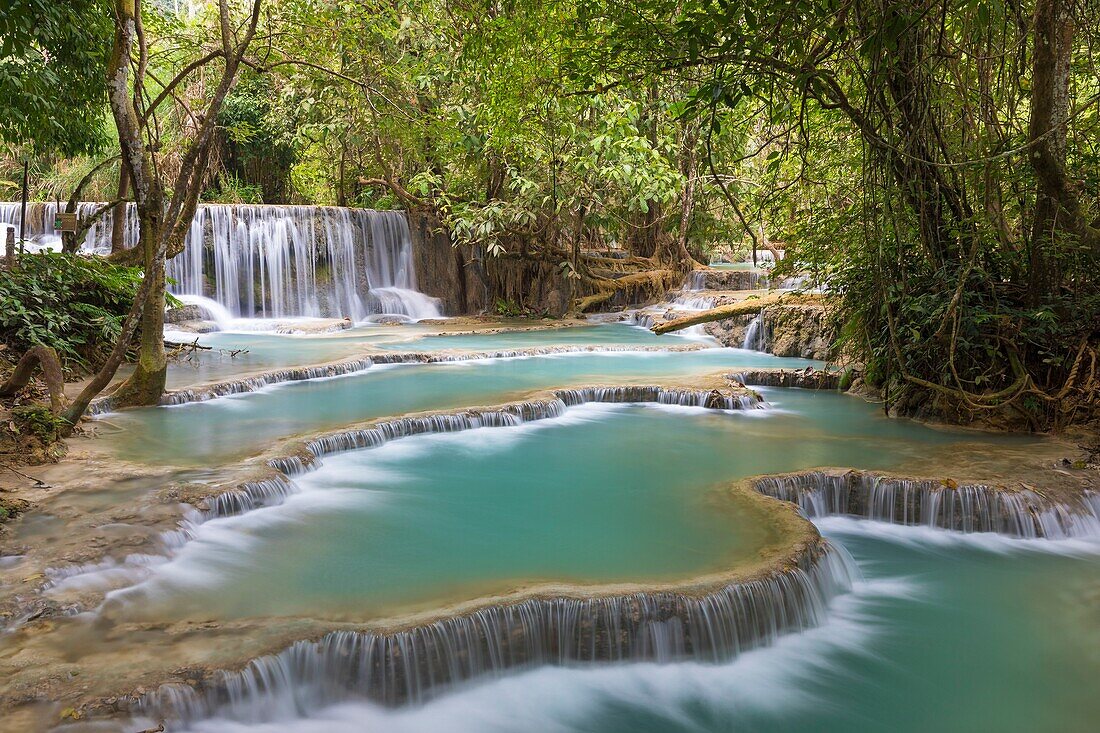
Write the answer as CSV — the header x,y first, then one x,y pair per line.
x,y
10,508
31,435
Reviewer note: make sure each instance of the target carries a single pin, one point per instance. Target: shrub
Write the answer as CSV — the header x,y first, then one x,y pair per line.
x,y
73,303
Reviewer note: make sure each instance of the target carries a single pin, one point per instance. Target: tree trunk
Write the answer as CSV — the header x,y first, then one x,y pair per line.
x,y
161,229
146,384
689,140
1047,130
933,196
118,217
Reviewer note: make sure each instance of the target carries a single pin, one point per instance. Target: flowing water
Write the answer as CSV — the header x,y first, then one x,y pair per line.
x,y
274,261
216,430
945,633
928,630
603,493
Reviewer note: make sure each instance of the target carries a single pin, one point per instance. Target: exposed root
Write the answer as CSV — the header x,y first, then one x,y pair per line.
x,y
44,358
652,283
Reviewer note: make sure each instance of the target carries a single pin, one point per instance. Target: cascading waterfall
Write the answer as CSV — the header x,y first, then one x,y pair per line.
x,y
410,666
276,261
41,234
285,261
695,302
922,502
713,399
516,413
212,309
756,334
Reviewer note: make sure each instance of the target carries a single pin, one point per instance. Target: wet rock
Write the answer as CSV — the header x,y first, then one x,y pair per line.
x,y
11,507
43,608
808,378
798,330
734,279
182,314
730,331
196,326
389,320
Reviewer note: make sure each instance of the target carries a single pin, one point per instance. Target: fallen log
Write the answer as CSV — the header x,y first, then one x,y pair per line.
x,y
748,306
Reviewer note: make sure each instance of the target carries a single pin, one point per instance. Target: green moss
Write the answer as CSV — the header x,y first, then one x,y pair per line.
x,y
37,421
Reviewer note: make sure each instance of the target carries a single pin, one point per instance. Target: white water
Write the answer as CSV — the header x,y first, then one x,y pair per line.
x,y
212,309
276,261
755,338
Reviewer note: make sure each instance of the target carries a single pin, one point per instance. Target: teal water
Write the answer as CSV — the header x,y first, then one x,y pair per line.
x,y
606,493
205,433
241,352
947,634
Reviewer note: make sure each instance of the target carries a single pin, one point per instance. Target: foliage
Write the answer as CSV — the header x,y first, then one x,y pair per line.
x,y
39,422
231,189
53,61
887,146
894,147
259,134
74,304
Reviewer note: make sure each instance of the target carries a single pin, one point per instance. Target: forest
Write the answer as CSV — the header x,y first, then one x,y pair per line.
x,y
222,218
935,163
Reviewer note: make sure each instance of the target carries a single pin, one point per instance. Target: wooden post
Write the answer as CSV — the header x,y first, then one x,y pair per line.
x,y
9,248
23,208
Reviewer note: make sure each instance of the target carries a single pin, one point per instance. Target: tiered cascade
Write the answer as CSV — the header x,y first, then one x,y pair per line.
x,y
411,665
930,503
276,261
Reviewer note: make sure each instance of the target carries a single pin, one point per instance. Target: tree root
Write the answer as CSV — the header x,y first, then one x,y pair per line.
x,y
656,280
45,358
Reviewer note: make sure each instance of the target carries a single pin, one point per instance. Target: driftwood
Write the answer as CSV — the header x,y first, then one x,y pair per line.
x,y
186,346
45,359
39,483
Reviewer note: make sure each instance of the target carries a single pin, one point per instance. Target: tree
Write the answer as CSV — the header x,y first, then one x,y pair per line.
x,y
162,220
52,62
965,238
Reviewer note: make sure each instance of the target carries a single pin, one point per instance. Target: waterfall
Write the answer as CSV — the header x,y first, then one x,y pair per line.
x,y
755,334
414,664
695,302
515,413
276,261
713,399
41,234
285,261
255,494
213,310
923,502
